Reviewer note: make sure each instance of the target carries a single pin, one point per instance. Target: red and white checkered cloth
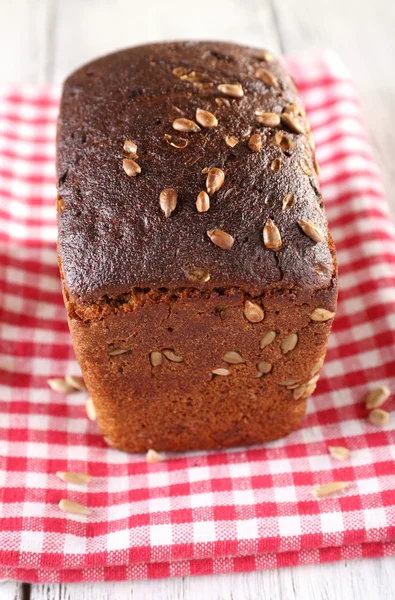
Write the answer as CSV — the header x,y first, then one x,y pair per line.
x,y
204,512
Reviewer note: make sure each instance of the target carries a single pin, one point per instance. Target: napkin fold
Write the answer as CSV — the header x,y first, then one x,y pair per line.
x,y
202,512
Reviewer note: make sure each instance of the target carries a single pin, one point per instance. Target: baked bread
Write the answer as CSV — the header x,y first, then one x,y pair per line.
x,y
198,271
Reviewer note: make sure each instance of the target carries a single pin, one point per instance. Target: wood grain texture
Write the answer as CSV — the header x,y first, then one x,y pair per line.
x,y
43,40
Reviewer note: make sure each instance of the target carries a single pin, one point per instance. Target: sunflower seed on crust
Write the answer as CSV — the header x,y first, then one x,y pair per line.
x,y
321,315
233,358
339,452
234,90
264,55
299,392
253,312
168,201
198,275
206,118
221,238
288,201
215,179
221,372
130,167
321,491
264,367
283,141
267,119
77,478
185,125
156,358
90,409
289,343
295,110
130,148
291,123
76,382
379,417
311,230
271,235
60,385
172,356
231,141
267,77
203,202
267,339
276,165
73,508
377,397
153,457
255,142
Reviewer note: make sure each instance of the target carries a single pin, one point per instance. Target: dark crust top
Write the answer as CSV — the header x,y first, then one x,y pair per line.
x,y
113,235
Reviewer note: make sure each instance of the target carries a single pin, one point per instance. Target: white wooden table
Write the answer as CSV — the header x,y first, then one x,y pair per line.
x,y
43,40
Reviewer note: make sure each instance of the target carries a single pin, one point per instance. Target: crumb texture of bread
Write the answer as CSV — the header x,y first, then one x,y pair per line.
x,y
199,274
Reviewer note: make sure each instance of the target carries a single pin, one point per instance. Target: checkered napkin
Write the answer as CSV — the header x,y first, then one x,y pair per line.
x,y
204,512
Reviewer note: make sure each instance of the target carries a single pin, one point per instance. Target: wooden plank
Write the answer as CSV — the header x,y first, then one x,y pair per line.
x,y
12,590
348,580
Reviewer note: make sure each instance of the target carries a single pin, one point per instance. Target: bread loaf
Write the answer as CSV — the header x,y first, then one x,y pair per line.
x,y
198,271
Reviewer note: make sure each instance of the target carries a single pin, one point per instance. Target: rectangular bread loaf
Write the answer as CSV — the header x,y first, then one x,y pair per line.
x,y
198,271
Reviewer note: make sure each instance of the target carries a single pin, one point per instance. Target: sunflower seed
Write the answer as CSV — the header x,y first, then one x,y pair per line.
x,y
264,55
215,180
288,201
321,314
234,90
379,417
118,351
76,382
206,118
198,275
288,383
321,491
267,77
168,200
60,385
377,397
221,372
130,148
316,166
156,358
192,77
276,165
90,409
130,167
172,356
231,141
221,238
271,235
73,508
311,230
203,202
317,366
222,102
180,71
253,312
264,367
77,478
291,123
283,141
295,110
176,142
268,119
153,457
267,339
299,392
339,452
289,343
185,125
255,142
233,358
304,165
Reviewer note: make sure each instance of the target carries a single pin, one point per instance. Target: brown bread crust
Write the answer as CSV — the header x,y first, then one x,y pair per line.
x,y
144,271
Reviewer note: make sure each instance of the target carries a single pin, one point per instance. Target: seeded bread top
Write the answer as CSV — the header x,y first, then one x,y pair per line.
x,y
188,164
